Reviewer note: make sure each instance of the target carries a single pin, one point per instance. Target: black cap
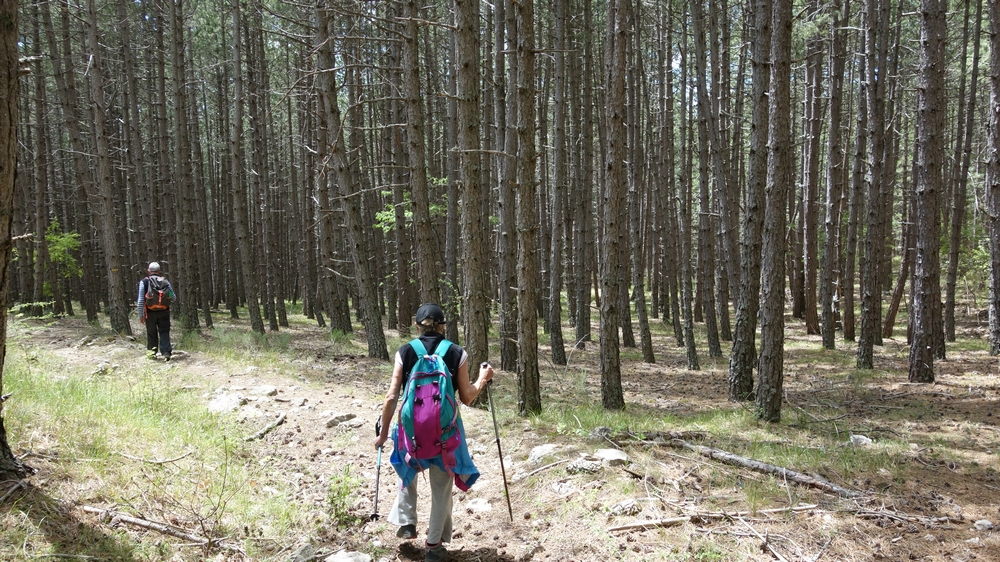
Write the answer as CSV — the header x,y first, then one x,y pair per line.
x,y
431,311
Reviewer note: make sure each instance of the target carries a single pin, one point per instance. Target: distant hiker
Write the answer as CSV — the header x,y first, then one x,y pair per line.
x,y
156,294
422,371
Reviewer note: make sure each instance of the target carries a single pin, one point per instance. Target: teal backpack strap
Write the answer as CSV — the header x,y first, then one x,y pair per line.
x,y
442,349
418,346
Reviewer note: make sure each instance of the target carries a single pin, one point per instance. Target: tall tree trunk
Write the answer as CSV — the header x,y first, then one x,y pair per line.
x,y
507,194
349,189
186,270
9,464
779,176
993,177
743,356
102,197
960,180
427,253
475,300
528,275
857,202
244,239
876,42
812,125
684,217
931,108
559,186
835,167
615,190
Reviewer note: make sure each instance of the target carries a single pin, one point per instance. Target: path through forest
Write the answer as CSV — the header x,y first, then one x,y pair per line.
x,y
566,503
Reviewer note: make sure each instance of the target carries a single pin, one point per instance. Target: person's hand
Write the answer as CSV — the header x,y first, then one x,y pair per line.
x,y
142,320
380,440
486,372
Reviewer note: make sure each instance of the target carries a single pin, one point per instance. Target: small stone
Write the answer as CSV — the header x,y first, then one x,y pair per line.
x,y
540,452
583,466
226,403
304,554
265,390
627,507
612,457
983,525
860,441
345,556
338,419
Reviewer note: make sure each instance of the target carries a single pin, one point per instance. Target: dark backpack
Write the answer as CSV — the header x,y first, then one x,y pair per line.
x,y
158,293
428,414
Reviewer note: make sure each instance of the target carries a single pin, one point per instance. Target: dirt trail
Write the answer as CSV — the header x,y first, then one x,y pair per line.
x,y
564,513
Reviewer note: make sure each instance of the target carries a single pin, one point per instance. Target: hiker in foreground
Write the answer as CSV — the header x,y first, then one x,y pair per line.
x,y
429,435
153,305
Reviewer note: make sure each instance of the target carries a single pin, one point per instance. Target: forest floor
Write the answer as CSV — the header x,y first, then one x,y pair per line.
x,y
938,475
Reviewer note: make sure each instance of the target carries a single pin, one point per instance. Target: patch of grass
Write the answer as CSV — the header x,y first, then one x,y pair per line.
x,y
126,436
340,497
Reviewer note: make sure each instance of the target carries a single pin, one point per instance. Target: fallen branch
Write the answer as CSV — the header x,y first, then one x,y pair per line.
x,y
162,528
752,464
710,515
908,518
162,461
767,543
18,484
546,467
268,429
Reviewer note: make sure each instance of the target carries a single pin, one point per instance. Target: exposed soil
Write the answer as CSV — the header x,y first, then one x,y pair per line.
x,y
952,467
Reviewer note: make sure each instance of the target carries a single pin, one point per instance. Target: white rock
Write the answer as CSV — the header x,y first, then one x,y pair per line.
x,y
304,554
540,452
983,525
345,556
564,488
354,423
265,390
338,419
860,441
226,403
478,505
627,507
583,466
611,457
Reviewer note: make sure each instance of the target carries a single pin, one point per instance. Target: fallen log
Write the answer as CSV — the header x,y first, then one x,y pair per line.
x,y
709,515
763,467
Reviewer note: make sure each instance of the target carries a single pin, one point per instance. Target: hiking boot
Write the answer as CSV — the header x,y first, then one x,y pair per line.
x,y
435,553
407,532
151,354
166,357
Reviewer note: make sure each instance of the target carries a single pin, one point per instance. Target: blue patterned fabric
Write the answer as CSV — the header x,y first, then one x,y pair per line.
x,y
466,472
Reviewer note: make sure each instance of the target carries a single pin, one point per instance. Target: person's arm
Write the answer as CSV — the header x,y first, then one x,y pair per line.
x,y
389,406
467,391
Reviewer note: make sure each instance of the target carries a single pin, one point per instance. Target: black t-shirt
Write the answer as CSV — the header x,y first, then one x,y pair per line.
x,y
453,358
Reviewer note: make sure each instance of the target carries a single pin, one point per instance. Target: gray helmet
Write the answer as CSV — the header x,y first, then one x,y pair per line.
x,y
154,267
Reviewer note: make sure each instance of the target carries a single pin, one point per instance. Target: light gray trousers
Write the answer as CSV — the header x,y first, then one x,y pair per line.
x,y
404,511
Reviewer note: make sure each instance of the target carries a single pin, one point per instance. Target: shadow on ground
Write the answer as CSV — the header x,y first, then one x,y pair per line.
x,y
408,551
68,536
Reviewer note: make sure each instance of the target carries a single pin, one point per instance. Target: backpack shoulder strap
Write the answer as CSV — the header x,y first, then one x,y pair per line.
x,y
418,347
442,349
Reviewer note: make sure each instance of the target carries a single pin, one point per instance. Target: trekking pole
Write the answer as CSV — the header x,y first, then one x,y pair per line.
x,y
378,470
496,432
